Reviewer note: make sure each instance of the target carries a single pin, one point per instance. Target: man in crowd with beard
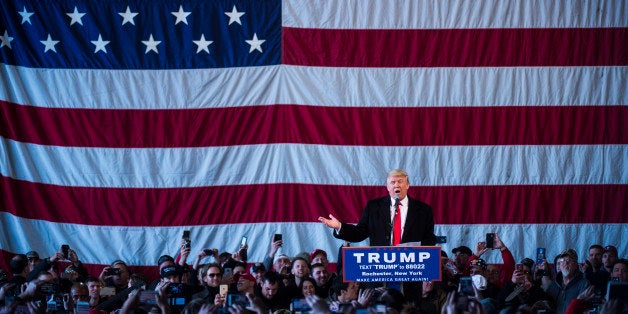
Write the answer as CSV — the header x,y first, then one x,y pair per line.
x,y
568,284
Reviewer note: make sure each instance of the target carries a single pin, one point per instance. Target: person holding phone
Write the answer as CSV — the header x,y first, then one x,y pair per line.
x,y
270,261
508,260
212,278
378,224
521,289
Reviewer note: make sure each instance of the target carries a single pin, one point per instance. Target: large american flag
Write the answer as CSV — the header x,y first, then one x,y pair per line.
x,y
123,123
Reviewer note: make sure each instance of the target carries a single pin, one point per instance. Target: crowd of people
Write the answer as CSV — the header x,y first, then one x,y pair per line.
x,y
227,283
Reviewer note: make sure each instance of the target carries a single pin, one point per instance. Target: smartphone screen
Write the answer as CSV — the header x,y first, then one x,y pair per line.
x,y
224,289
243,242
466,286
186,238
540,255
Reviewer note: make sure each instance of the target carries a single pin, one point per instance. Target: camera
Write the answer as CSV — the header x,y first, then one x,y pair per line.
x,y
113,272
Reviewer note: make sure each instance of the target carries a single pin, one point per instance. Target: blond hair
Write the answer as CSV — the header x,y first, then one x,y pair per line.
x,y
398,173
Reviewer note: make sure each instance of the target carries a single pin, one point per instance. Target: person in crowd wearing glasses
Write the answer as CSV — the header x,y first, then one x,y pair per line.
x,y
569,285
212,277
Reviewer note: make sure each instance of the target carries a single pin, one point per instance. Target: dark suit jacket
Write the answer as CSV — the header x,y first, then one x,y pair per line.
x,y
375,224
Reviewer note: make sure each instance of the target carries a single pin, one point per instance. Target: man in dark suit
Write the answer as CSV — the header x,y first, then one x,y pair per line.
x,y
376,223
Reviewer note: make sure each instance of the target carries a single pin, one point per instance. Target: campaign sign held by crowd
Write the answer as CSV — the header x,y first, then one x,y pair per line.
x,y
391,264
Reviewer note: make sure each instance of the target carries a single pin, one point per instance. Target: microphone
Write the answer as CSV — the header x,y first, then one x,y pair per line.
x,y
397,202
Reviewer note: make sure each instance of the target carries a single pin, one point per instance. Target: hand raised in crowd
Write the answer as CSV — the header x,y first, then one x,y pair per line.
x,y
211,252
104,273
480,249
162,298
237,309
219,300
517,277
498,244
35,307
588,294
317,304
332,222
274,247
29,289
364,297
257,304
236,256
185,252
5,288
73,257
207,308
449,307
57,256
68,302
131,302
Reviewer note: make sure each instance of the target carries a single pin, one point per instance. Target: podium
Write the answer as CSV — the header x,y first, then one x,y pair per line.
x,y
391,265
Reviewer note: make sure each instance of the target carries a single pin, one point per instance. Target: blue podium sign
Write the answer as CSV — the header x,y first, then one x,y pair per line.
x,y
391,263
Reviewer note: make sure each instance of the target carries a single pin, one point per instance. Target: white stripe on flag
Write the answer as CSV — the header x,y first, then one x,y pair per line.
x,y
453,14
207,166
340,87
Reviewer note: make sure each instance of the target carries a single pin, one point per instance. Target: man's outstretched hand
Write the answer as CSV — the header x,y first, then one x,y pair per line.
x,y
332,222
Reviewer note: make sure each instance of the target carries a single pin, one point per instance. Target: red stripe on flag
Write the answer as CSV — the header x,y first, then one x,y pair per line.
x,y
304,203
536,125
455,47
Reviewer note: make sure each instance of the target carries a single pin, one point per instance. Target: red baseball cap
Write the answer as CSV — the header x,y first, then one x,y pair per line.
x,y
316,252
246,276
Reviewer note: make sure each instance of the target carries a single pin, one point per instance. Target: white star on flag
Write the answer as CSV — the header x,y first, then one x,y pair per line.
x,y
6,40
76,17
151,44
26,16
50,44
256,44
234,16
203,45
128,16
181,16
100,44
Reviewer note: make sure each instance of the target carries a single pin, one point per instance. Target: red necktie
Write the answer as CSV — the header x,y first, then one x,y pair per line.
x,y
397,224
